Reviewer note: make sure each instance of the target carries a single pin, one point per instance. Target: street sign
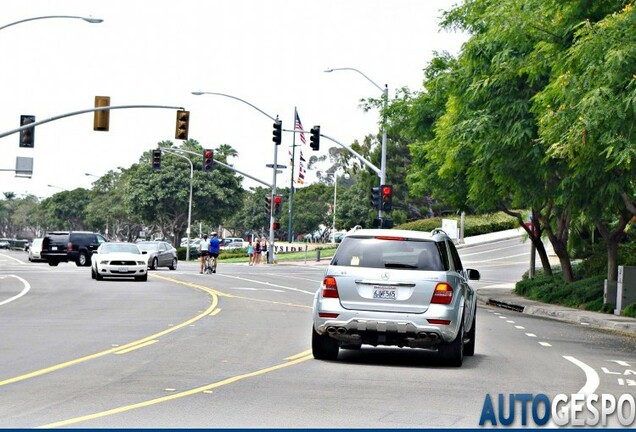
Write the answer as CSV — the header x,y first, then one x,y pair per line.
x,y
279,166
23,166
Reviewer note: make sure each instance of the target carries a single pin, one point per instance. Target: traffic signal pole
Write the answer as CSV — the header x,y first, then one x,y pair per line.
x,y
74,113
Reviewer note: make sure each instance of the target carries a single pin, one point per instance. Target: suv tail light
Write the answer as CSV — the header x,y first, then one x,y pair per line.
x,y
443,294
330,287
69,247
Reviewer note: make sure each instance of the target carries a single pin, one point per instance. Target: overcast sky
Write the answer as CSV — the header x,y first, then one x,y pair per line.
x,y
271,54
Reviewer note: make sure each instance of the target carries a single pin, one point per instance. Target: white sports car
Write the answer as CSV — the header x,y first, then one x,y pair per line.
x,y
119,259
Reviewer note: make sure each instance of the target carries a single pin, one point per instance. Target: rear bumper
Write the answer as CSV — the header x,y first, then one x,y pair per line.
x,y
388,328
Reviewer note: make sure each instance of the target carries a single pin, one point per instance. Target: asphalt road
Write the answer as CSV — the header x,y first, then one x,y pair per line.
x,y
232,350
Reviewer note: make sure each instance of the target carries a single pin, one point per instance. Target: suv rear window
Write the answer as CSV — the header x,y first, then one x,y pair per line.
x,y
375,252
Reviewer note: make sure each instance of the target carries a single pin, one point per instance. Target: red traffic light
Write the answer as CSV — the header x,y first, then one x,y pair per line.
x,y
277,199
386,190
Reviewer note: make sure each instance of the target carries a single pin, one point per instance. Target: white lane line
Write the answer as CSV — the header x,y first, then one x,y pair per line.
x,y
592,379
25,290
14,259
531,335
545,344
520,327
266,283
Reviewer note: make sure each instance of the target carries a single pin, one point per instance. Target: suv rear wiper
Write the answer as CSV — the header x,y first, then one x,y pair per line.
x,y
400,265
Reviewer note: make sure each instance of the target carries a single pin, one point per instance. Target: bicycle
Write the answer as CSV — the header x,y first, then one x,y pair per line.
x,y
208,266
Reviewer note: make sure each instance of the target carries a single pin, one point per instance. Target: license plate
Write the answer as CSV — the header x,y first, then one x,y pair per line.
x,y
54,248
122,269
385,293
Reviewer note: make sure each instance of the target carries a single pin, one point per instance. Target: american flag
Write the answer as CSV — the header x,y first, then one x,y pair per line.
x,y
299,126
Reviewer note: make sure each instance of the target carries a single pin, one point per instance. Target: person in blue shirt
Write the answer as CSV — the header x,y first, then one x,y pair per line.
x,y
215,245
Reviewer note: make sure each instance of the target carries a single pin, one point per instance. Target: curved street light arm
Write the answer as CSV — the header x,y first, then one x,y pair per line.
x,y
74,113
199,93
223,165
383,90
87,19
353,152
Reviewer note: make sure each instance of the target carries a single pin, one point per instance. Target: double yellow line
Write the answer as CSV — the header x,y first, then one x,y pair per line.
x,y
210,311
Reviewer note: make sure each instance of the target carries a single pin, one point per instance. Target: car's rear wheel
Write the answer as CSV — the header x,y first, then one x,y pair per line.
x,y
452,353
173,265
323,347
469,348
82,260
155,264
53,263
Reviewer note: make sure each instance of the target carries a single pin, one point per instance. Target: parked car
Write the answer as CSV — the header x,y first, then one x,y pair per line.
x,y
119,259
398,288
4,244
233,243
73,246
35,249
160,254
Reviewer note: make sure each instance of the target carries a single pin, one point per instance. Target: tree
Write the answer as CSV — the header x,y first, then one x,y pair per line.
x,y
161,197
587,114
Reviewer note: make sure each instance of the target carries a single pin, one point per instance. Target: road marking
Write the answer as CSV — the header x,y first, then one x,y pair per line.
x,y
520,327
26,289
203,389
14,259
145,344
222,294
531,335
545,344
215,302
268,284
592,379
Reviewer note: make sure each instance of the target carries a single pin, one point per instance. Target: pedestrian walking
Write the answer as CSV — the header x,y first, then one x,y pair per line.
x,y
257,252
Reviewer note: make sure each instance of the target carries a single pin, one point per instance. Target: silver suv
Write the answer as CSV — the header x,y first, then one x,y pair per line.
x,y
396,287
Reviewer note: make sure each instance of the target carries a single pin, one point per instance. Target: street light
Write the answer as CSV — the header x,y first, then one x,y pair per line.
x,y
173,152
57,187
335,192
385,97
87,19
274,166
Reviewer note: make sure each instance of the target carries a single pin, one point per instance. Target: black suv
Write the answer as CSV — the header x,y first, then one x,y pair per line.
x,y
65,246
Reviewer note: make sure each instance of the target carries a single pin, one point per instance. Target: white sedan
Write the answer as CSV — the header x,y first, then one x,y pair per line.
x,y
119,259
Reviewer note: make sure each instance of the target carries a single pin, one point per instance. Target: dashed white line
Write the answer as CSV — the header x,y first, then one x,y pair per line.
x,y
531,335
545,344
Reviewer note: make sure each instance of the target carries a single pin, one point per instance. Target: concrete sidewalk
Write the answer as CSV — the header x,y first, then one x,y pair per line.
x,y
507,299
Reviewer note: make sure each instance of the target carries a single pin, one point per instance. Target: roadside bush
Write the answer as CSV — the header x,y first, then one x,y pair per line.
x,y
473,224
585,293
630,311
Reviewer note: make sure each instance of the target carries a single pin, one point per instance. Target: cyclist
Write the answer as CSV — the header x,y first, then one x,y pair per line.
x,y
215,245
204,246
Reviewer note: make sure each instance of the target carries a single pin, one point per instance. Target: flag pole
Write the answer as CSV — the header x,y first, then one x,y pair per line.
x,y
290,234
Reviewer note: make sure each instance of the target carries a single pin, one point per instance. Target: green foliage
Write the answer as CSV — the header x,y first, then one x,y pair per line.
x,y
473,225
630,311
584,293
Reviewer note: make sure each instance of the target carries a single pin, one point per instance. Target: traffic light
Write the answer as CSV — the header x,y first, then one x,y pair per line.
x,y
278,132
314,141
156,159
208,160
101,118
181,130
268,204
278,205
387,197
276,226
26,135
375,197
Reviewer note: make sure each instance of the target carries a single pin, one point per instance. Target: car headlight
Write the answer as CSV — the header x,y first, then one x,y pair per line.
x,y
104,262
142,263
